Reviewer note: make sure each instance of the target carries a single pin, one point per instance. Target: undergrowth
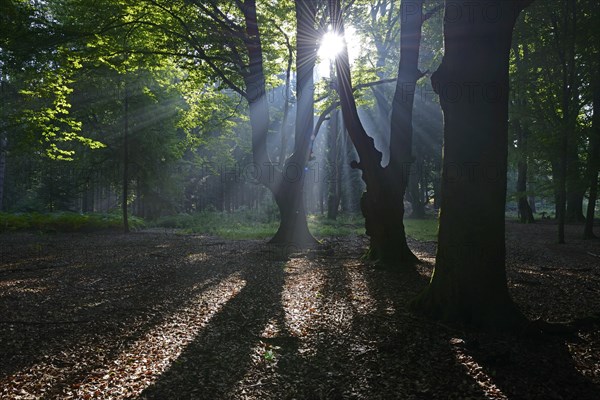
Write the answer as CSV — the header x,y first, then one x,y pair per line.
x,y
64,222
238,225
247,225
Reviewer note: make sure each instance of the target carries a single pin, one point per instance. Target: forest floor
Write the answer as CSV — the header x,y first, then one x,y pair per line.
x,y
159,315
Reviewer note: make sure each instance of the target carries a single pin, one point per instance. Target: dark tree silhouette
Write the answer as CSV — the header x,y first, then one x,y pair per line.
x,y
469,281
593,164
382,203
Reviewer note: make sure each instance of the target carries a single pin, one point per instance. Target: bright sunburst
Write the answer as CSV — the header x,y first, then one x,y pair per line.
x,y
331,45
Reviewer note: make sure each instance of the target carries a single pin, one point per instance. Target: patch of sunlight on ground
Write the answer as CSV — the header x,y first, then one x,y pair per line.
x,y
362,301
197,257
145,359
302,299
476,372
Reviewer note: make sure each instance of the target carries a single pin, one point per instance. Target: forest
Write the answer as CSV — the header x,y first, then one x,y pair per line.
x,y
316,199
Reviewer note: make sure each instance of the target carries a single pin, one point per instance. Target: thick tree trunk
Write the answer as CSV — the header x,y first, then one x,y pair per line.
x,y
469,281
382,204
288,187
593,165
384,218
293,227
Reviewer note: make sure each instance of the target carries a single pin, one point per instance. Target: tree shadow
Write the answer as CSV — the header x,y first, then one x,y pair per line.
x,y
357,338
77,302
215,363
526,367
367,345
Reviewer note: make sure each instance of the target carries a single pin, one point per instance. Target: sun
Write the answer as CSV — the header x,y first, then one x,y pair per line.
x,y
331,45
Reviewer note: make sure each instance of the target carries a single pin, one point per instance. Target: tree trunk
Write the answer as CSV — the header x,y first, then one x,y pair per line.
x,y
576,184
333,164
293,227
382,204
569,115
525,212
3,146
286,104
531,200
574,212
288,186
469,281
416,198
593,164
126,163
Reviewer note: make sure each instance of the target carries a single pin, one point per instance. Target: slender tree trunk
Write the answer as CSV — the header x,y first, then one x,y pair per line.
x,y
593,165
525,209
416,184
3,145
576,183
469,281
561,195
531,200
126,162
525,212
333,164
567,54
286,104
575,198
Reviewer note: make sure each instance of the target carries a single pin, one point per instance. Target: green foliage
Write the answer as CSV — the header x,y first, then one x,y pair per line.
x,y
64,222
424,230
238,225
255,225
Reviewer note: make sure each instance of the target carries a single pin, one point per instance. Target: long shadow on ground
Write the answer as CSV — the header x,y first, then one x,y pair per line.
x,y
321,324
215,363
71,304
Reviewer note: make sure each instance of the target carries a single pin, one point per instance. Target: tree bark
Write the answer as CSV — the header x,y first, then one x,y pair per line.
x,y
286,102
3,143
576,182
575,195
416,188
469,280
382,204
126,162
525,211
288,187
593,164
333,164
569,116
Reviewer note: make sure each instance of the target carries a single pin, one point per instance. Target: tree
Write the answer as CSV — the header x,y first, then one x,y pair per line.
x,y
227,43
469,280
521,130
593,163
382,203
592,62
289,187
